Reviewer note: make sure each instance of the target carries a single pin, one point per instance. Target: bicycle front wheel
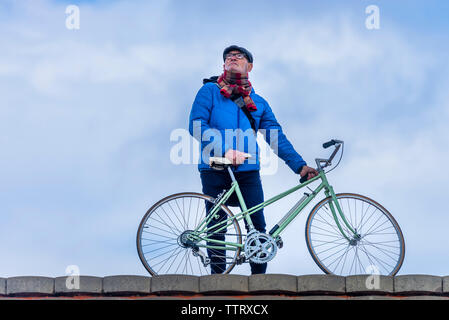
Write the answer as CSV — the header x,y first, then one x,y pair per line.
x,y
162,234
378,246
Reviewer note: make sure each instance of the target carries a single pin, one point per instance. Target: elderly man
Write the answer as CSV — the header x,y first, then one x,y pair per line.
x,y
215,108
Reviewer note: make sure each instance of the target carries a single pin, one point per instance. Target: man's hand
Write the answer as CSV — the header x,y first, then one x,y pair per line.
x,y
236,157
309,172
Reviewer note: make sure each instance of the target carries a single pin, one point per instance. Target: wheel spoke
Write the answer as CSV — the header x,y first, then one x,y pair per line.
x,y
174,213
337,232
376,231
363,215
170,232
159,235
338,245
342,257
380,261
383,250
326,235
169,245
155,241
169,218
366,221
368,231
334,226
325,242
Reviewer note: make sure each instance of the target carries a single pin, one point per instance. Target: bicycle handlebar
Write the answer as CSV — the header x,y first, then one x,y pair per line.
x,y
331,143
328,161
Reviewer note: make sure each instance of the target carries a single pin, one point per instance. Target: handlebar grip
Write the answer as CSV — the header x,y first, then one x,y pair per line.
x,y
303,179
329,143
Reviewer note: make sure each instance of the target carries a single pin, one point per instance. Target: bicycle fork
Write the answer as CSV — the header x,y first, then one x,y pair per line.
x,y
329,191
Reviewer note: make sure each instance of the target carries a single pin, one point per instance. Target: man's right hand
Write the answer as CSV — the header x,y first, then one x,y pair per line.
x,y
236,157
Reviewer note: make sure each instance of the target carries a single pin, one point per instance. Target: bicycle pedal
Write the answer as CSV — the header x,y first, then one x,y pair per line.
x,y
240,259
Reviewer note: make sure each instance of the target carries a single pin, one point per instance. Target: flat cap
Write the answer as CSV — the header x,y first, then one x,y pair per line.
x,y
248,54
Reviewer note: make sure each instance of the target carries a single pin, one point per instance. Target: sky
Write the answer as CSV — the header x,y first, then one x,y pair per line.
x,y
86,117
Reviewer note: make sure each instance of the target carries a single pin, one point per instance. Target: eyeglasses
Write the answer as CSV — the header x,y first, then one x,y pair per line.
x,y
237,55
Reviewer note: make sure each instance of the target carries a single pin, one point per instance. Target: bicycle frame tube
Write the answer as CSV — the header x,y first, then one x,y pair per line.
x,y
284,222
215,208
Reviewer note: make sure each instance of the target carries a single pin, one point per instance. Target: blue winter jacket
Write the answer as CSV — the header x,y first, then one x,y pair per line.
x,y
217,119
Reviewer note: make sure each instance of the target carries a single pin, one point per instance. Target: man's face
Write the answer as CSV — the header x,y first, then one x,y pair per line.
x,y
235,64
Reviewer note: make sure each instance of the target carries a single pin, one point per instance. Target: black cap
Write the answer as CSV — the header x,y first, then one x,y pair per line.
x,y
248,54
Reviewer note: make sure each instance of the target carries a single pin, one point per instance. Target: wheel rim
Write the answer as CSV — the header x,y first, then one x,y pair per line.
x,y
378,249
162,234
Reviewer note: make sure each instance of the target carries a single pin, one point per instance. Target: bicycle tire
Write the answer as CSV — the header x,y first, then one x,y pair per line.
x,y
171,230
389,249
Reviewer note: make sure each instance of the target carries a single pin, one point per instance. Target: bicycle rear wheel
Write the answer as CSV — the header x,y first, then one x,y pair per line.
x,y
378,247
162,234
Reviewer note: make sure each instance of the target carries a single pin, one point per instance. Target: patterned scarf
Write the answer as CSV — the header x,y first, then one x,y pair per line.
x,y
238,84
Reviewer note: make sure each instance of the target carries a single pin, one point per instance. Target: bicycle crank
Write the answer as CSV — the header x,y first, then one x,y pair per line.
x,y
259,247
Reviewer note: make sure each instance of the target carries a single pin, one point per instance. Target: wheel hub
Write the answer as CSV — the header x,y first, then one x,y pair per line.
x,y
355,240
184,239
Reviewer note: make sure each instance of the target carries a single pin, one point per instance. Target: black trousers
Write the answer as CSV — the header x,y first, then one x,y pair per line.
x,y
251,187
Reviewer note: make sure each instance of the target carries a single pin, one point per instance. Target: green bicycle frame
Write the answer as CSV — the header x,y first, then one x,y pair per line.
x,y
203,228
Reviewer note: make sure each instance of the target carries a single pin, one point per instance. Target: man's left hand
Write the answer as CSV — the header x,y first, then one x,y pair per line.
x,y
309,172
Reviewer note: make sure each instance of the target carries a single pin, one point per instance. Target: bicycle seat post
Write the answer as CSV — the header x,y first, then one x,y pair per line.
x,y
231,174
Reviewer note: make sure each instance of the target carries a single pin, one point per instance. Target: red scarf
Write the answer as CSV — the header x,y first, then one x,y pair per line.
x,y
236,83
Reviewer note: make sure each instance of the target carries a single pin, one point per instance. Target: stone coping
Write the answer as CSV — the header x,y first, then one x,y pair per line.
x,y
239,286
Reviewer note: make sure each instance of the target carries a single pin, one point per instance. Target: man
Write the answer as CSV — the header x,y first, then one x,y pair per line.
x,y
214,113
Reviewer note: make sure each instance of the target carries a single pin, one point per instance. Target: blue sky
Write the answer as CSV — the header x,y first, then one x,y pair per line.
x,y
86,117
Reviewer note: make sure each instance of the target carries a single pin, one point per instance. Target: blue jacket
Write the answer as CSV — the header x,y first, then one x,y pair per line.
x,y
211,110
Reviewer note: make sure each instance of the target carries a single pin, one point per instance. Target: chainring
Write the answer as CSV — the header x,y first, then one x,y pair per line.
x,y
259,247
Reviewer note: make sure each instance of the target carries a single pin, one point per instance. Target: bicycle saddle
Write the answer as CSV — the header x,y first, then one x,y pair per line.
x,y
219,163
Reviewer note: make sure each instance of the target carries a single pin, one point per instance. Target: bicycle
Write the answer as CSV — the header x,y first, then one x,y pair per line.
x,y
346,233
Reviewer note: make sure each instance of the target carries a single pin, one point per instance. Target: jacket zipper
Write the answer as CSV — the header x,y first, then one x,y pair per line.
x,y
238,126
